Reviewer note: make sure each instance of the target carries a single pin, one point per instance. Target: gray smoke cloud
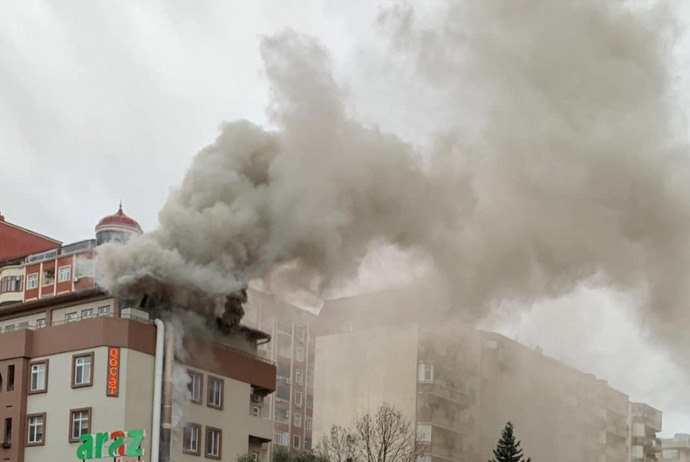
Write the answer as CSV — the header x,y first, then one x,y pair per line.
x,y
573,172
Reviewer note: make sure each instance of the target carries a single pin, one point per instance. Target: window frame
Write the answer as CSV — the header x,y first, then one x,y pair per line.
x,y
210,379
74,319
299,354
298,402
297,420
199,440
299,442
300,332
42,442
70,428
29,278
75,357
46,363
69,274
191,375
207,434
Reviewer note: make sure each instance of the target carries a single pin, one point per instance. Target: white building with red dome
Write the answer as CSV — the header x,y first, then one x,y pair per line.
x,y
56,269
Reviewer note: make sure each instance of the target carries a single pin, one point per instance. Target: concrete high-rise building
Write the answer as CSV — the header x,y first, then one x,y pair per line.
x,y
460,386
292,350
87,376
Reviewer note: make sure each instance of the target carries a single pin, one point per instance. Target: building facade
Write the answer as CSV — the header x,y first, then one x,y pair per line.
x,y
292,405
86,376
676,449
460,386
49,268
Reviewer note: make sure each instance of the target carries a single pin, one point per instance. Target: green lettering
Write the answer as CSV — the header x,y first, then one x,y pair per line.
x,y
101,439
85,449
134,449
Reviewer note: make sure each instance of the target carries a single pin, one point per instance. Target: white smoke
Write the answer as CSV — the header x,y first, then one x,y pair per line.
x,y
573,172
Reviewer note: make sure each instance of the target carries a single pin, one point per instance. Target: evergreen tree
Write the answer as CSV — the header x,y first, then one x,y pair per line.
x,y
508,450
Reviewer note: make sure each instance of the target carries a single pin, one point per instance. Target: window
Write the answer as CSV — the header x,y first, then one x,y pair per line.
x,y
308,423
80,423
196,386
299,333
85,314
103,310
281,438
32,281
215,393
35,429
10,328
8,431
10,378
299,353
426,373
11,284
82,370
255,456
310,401
295,441
40,323
48,276
39,377
307,443
298,398
65,273
298,420
213,442
299,377
192,433
71,317
256,411
24,325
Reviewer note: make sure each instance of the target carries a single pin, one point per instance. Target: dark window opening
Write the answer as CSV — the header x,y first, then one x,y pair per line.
x,y
7,440
10,378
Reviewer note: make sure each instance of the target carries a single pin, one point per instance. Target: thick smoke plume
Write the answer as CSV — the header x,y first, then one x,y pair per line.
x,y
573,172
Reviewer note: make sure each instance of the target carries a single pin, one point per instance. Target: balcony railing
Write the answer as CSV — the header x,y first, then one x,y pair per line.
x,y
445,392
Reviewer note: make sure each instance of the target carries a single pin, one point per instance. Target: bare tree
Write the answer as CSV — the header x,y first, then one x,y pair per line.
x,y
385,437
338,445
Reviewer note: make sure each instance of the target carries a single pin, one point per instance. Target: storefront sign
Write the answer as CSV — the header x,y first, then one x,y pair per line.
x,y
113,372
114,445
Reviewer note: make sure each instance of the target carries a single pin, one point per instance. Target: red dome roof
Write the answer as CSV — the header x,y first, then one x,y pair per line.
x,y
119,219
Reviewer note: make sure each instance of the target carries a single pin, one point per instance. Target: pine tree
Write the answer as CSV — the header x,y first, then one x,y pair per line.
x,y
507,449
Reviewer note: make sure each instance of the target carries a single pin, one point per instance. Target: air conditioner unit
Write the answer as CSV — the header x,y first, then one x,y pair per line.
x,y
287,381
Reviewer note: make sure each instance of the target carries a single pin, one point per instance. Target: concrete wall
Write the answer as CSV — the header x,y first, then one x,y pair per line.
x,y
108,414
356,372
234,419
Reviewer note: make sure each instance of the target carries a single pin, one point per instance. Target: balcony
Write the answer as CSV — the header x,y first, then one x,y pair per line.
x,y
445,392
444,419
260,428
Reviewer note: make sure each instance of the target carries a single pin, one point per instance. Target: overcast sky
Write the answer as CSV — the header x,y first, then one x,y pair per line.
x,y
108,101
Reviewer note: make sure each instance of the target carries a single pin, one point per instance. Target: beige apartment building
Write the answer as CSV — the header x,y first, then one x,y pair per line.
x,y
676,449
459,386
86,364
644,423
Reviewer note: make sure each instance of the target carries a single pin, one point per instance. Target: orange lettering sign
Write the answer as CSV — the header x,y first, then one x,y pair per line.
x,y
113,372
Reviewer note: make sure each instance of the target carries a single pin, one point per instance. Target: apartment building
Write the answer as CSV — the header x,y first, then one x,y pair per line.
x,y
676,449
292,350
86,376
460,386
48,268
644,423
94,373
